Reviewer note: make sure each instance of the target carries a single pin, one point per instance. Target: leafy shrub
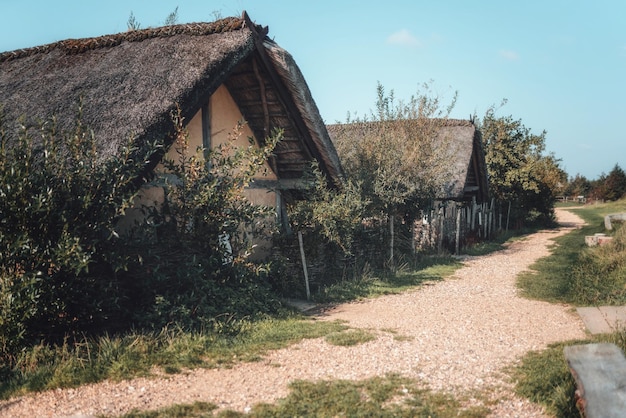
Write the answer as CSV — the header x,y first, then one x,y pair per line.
x,y
59,204
198,273
334,215
65,269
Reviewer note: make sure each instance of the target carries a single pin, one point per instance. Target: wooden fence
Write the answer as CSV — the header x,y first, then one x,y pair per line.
x,y
452,225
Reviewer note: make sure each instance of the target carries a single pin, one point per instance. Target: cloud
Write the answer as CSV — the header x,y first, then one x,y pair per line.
x,y
405,38
509,55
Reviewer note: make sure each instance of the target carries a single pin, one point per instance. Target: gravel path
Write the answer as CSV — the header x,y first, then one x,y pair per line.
x,y
461,333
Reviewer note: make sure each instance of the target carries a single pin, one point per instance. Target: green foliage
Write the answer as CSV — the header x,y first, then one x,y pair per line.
x,y
393,156
205,196
132,23
197,271
66,271
336,215
59,206
610,187
519,171
544,378
578,186
171,18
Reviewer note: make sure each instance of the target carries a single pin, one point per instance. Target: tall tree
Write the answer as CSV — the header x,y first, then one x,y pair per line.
x,y
615,184
519,170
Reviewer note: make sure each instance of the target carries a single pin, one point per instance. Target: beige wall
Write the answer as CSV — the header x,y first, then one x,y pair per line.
x,y
225,116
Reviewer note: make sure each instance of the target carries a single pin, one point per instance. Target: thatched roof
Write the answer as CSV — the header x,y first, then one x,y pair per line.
x,y
130,82
457,142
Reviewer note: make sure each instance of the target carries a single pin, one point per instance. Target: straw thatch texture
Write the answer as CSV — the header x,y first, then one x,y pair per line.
x,y
130,83
458,149
128,88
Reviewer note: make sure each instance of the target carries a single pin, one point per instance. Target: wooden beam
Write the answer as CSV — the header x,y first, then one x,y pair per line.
x,y
282,184
266,113
282,91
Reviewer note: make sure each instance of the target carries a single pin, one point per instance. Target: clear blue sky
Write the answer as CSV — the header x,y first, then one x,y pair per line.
x,y
561,64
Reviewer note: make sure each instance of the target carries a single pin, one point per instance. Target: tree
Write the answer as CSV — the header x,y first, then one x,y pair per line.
x,y
392,154
518,168
578,186
615,184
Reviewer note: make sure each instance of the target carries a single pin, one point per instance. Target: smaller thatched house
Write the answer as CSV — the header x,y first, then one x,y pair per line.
x,y
458,148
454,149
466,177
218,73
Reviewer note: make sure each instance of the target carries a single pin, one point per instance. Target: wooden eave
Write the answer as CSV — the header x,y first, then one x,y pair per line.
x,y
267,104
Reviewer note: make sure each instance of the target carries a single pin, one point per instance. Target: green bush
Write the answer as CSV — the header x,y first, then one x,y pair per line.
x,y
197,272
64,268
59,254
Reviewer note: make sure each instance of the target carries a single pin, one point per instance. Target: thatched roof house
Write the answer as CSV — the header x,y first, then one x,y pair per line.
x,y
457,143
130,82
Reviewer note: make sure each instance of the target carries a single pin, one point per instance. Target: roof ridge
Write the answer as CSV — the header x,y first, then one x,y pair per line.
x,y
444,122
77,46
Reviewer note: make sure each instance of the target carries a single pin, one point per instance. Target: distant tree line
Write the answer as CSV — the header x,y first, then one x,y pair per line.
x,y
609,187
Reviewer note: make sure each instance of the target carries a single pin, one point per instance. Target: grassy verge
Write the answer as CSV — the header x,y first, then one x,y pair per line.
x,y
371,284
572,274
544,377
388,396
137,354
553,278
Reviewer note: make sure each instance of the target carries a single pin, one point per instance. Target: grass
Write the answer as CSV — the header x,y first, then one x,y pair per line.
x,y
572,274
370,285
551,278
137,354
350,337
388,396
544,377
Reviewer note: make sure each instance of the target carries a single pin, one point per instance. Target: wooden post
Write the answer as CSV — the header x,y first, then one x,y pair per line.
x,y
458,231
473,224
440,236
413,237
508,216
391,238
304,268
